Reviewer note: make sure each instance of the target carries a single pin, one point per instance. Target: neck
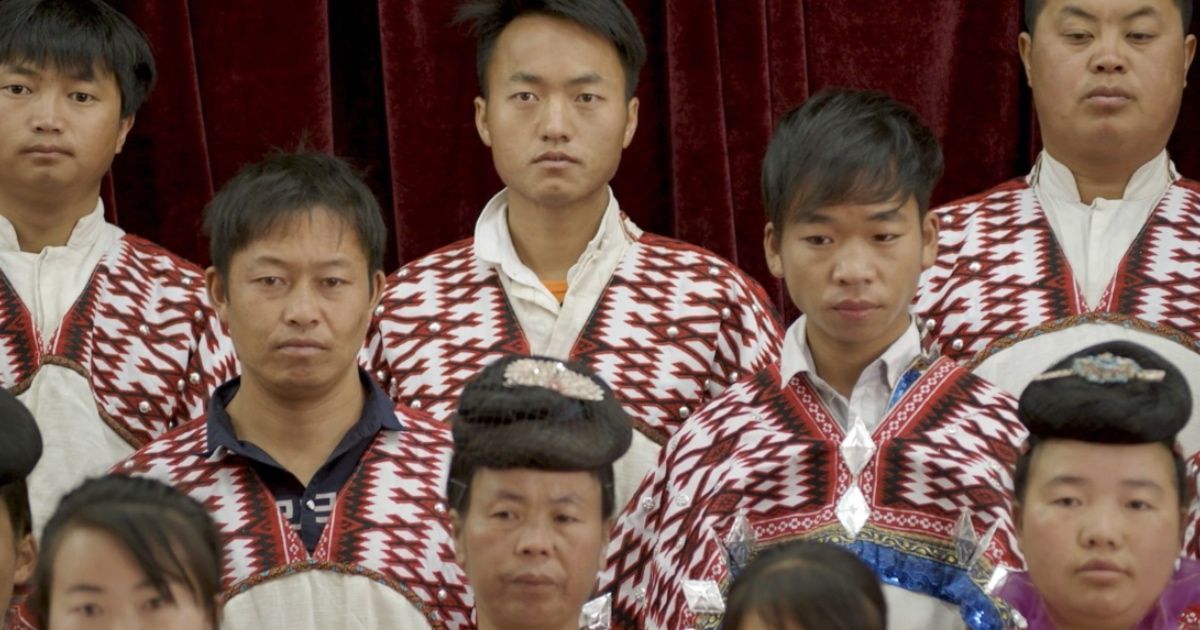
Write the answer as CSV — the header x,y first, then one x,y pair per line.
x,y
298,429
44,222
485,623
550,240
841,364
1099,178
1119,622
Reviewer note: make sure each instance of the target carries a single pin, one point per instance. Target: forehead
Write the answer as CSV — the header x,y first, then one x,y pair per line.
x,y
552,46
534,485
1102,464
861,214
311,235
1109,10
48,71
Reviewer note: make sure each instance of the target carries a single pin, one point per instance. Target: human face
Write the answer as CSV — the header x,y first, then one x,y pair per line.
x,y
1100,527
97,585
556,116
1107,76
58,132
17,558
297,303
853,270
531,543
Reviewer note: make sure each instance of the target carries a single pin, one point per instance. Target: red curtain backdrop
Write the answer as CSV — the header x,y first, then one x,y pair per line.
x,y
389,84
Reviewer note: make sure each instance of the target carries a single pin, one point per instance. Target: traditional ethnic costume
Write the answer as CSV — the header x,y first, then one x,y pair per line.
x,y
110,342
366,544
920,490
668,325
1115,393
1026,273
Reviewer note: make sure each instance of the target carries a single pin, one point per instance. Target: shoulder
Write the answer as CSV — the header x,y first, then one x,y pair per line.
x,y
966,206
147,261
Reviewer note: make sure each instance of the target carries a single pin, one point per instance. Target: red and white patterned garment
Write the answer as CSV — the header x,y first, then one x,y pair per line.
x,y
776,452
385,558
674,327
136,353
1002,296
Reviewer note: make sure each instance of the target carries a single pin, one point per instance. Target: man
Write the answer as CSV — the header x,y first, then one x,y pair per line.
x,y
1101,241
555,268
107,338
326,494
857,436
20,448
531,491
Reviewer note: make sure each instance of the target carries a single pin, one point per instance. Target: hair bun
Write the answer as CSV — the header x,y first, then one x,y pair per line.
x,y
1113,393
538,412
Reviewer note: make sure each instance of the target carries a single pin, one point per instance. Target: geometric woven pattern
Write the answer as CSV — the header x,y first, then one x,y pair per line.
x,y
772,450
1000,272
389,523
675,326
141,333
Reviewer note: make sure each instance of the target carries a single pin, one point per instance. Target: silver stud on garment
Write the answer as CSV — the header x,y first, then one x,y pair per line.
x,y
144,330
975,267
435,327
682,500
726,313
379,310
647,504
416,404
194,378
957,344
441,594
684,412
144,407
198,315
672,331
179,384
714,270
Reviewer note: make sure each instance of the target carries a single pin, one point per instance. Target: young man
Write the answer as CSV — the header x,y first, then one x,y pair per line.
x,y
327,495
1102,240
20,449
531,491
1101,494
555,268
107,338
857,436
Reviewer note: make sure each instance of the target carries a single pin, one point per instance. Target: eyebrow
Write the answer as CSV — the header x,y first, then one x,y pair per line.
x,y
85,75
1072,480
888,216
1075,11
267,259
508,495
590,78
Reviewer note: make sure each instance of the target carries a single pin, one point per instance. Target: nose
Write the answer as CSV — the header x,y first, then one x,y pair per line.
x,y
1101,530
302,308
852,265
1110,57
47,115
556,120
535,538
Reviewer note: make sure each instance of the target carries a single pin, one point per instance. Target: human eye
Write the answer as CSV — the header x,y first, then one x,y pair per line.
x,y
81,97
88,610
588,98
565,519
817,239
1141,37
334,283
1066,501
1077,37
886,238
502,515
270,282
17,89
524,97
1139,505
157,602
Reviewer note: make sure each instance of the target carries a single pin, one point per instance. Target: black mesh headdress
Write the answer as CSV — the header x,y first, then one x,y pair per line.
x,y
20,440
1113,393
541,413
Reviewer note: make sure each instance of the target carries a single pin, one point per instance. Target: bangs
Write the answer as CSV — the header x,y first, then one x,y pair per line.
x,y
839,180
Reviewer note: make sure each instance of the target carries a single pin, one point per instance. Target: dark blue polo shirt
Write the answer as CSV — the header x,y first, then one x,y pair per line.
x,y
307,508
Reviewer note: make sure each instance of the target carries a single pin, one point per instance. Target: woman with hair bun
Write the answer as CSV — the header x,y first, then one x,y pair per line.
x,y
1101,495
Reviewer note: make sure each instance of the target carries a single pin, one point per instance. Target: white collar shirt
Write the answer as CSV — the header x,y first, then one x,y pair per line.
x,y
871,394
1094,237
550,328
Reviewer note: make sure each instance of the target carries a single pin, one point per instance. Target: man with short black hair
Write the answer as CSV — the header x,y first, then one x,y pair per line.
x,y
555,268
1101,241
108,338
327,495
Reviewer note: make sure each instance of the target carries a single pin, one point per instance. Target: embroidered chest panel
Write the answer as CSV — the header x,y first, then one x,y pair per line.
x,y
141,333
675,326
946,447
1001,272
389,523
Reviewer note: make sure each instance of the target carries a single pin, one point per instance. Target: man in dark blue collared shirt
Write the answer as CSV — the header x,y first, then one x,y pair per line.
x,y
328,497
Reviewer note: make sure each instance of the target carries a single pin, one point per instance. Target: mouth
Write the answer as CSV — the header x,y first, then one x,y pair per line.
x,y
301,348
535,581
1100,571
855,309
555,159
46,150
1108,97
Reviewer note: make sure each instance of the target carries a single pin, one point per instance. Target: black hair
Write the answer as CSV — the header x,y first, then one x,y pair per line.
x,y
264,195
807,585
1106,407
1033,10
848,147
20,450
502,424
609,19
169,534
79,37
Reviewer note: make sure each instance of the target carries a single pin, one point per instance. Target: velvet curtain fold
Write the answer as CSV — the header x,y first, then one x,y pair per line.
x,y
389,84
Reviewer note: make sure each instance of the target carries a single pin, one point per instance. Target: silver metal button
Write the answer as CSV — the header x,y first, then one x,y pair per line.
x,y
144,329
647,504
435,327
198,315
957,344
672,331
682,500
416,404
975,267
684,412
714,270
179,385
194,378
379,310
441,594
726,313
144,407
310,504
